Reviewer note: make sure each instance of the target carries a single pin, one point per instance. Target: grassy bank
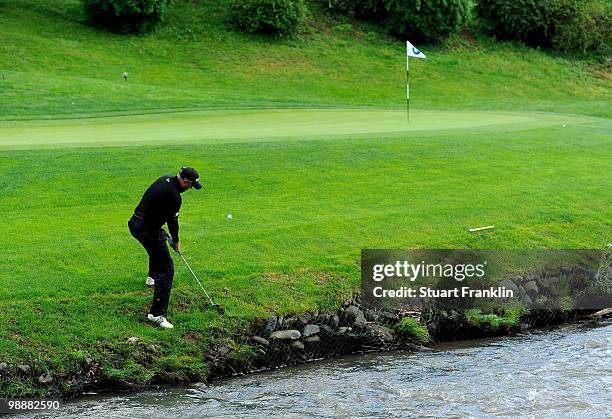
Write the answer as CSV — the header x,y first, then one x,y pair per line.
x,y
307,189
55,65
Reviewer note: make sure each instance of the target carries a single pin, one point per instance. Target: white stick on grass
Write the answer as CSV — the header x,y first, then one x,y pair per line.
x,y
471,230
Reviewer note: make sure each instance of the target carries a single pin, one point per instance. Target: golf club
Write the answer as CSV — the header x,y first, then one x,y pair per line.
x,y
213,304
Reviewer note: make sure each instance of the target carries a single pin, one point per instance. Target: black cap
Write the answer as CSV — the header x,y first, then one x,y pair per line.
x,y
190,174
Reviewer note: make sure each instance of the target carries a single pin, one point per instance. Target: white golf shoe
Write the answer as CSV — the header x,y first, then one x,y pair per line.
x,y
161,321
150,282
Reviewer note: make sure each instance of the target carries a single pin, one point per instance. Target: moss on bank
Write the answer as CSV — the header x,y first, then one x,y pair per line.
x,y
410,329
507,320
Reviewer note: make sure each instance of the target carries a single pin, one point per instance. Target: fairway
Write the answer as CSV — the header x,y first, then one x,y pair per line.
x,y
308,189
226,126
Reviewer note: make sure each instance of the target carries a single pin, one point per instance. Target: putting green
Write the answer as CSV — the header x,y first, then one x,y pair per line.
x,y
262,125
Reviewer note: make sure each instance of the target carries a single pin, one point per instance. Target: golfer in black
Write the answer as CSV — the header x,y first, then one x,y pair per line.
x,y
160,205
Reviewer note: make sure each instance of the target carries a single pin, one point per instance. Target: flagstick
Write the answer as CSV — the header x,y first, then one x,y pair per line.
x,y
411,51
407,88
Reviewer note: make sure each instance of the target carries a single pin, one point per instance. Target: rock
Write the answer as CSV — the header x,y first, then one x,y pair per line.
x,y
311,329
260,341
531,288
286,335
354,317
351,312
297,345
45,378
271,325
326,329
289,322
387,315
343,330
360,322
312,339
88,361
334,321
224,350
133,340
304,318
381,332
23,367
527,300
3,366
323,318
508,284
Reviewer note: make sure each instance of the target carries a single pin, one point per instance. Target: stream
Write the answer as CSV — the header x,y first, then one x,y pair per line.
x,y
560,372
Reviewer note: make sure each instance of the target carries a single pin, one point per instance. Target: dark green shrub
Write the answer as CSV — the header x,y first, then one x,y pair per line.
x,y
425,20
580,25
126,16
367,9
282,17
522,20
569,25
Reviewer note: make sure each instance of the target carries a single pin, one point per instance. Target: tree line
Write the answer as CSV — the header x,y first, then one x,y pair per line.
x,y
567,25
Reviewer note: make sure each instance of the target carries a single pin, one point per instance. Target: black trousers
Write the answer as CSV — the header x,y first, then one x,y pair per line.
x,y
161,265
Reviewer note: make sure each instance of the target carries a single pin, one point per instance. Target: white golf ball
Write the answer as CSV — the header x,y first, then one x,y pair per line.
x,y
229,216
563,125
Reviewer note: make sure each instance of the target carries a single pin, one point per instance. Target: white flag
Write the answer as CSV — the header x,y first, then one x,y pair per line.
x,y
413,51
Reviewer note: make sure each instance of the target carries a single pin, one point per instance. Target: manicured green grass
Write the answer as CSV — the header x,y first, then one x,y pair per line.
x,y
231,126
307,188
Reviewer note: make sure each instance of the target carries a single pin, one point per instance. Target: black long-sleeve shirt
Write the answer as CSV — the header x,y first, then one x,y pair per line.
x,y
160,204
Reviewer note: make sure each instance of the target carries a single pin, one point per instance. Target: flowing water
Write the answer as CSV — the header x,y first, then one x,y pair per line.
x,y
565,372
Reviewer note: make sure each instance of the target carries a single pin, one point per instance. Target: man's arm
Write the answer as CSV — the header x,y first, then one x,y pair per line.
x,y
174,206
173,229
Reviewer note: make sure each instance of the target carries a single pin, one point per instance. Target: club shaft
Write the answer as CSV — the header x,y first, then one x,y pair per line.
x,y
196,278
